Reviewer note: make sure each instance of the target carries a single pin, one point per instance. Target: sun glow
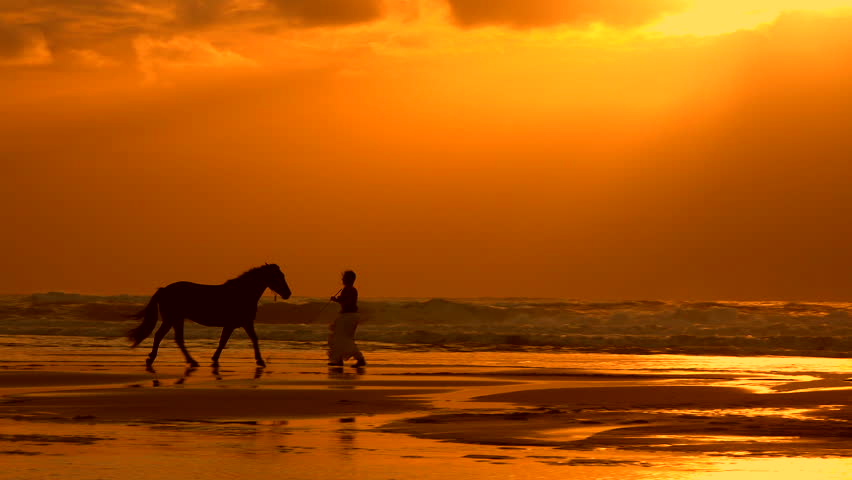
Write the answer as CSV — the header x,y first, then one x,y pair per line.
x,y
717,17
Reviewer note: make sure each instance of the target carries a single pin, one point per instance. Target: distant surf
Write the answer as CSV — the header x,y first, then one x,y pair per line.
x,y
816,329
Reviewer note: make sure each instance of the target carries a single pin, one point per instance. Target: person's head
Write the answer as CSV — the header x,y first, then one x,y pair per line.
x,y
348,278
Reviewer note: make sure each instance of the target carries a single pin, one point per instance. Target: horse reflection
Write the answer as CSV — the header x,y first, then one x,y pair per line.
x,y
186,374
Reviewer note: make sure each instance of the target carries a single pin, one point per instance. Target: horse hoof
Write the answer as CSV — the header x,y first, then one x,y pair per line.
x,y
149,362
193,364
261,363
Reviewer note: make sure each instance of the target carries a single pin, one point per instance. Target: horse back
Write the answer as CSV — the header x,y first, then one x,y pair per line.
x,y
211,305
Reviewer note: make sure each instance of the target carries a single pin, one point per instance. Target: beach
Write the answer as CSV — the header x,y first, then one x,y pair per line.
x,y
408,414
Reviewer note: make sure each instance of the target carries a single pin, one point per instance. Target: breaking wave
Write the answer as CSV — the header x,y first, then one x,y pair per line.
x,y
636,327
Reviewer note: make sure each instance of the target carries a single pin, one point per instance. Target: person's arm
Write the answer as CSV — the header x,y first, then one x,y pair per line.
x,y
338,298
348,295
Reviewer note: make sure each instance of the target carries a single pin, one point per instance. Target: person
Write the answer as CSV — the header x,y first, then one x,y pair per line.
x,y
341,340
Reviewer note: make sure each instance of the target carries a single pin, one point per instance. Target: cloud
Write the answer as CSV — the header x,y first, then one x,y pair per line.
x,y
549,13
92,59
22,46
80,31
178,54
194,13
313,13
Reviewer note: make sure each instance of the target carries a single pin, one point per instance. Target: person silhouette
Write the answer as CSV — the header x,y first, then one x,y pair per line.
x,y
341,340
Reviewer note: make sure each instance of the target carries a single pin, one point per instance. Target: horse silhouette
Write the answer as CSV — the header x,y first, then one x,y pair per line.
x,y
230,305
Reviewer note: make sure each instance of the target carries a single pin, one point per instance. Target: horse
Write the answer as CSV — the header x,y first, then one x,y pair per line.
x,y
230,305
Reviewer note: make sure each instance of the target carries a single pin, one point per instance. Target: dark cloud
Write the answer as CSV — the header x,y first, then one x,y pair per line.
x,y
547,13
199,12
13,41
312,13
83,24
102,31
39,10
22,46
94,24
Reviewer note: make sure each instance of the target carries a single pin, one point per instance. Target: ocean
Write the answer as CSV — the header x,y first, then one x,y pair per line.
x,y
806,329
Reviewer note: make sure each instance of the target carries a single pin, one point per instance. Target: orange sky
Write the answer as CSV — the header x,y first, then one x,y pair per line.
x,y
610,149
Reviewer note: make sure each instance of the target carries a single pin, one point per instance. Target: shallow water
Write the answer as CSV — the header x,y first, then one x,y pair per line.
x,y
70,350
327,448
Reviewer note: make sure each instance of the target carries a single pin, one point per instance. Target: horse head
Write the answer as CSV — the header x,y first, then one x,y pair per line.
x,y
275,280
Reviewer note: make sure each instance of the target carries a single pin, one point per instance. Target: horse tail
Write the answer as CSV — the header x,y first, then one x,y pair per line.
x,y
149,314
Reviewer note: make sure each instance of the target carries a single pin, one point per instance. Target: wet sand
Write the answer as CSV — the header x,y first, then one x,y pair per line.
x,y
308,421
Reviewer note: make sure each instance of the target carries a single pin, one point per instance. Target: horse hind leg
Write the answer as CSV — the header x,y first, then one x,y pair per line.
x,y
223,340
178,324
158,337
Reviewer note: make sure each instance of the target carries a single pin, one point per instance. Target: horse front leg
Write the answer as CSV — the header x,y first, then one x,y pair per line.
x,y
178,324
223,340
249,328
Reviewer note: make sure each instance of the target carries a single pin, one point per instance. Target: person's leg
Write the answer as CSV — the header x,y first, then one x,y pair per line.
x,y
359,359
334,357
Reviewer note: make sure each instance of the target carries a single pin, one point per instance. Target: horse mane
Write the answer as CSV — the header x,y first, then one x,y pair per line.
x,y
248,274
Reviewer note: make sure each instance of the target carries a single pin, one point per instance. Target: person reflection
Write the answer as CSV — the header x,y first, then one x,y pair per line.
x,y
346,440
337,373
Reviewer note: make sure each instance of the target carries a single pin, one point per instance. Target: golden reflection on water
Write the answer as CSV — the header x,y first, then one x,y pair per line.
x,y
790,413
723,438
775,469
331,449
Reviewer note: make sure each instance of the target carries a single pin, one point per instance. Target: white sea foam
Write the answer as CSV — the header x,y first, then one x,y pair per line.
x,y
738,328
